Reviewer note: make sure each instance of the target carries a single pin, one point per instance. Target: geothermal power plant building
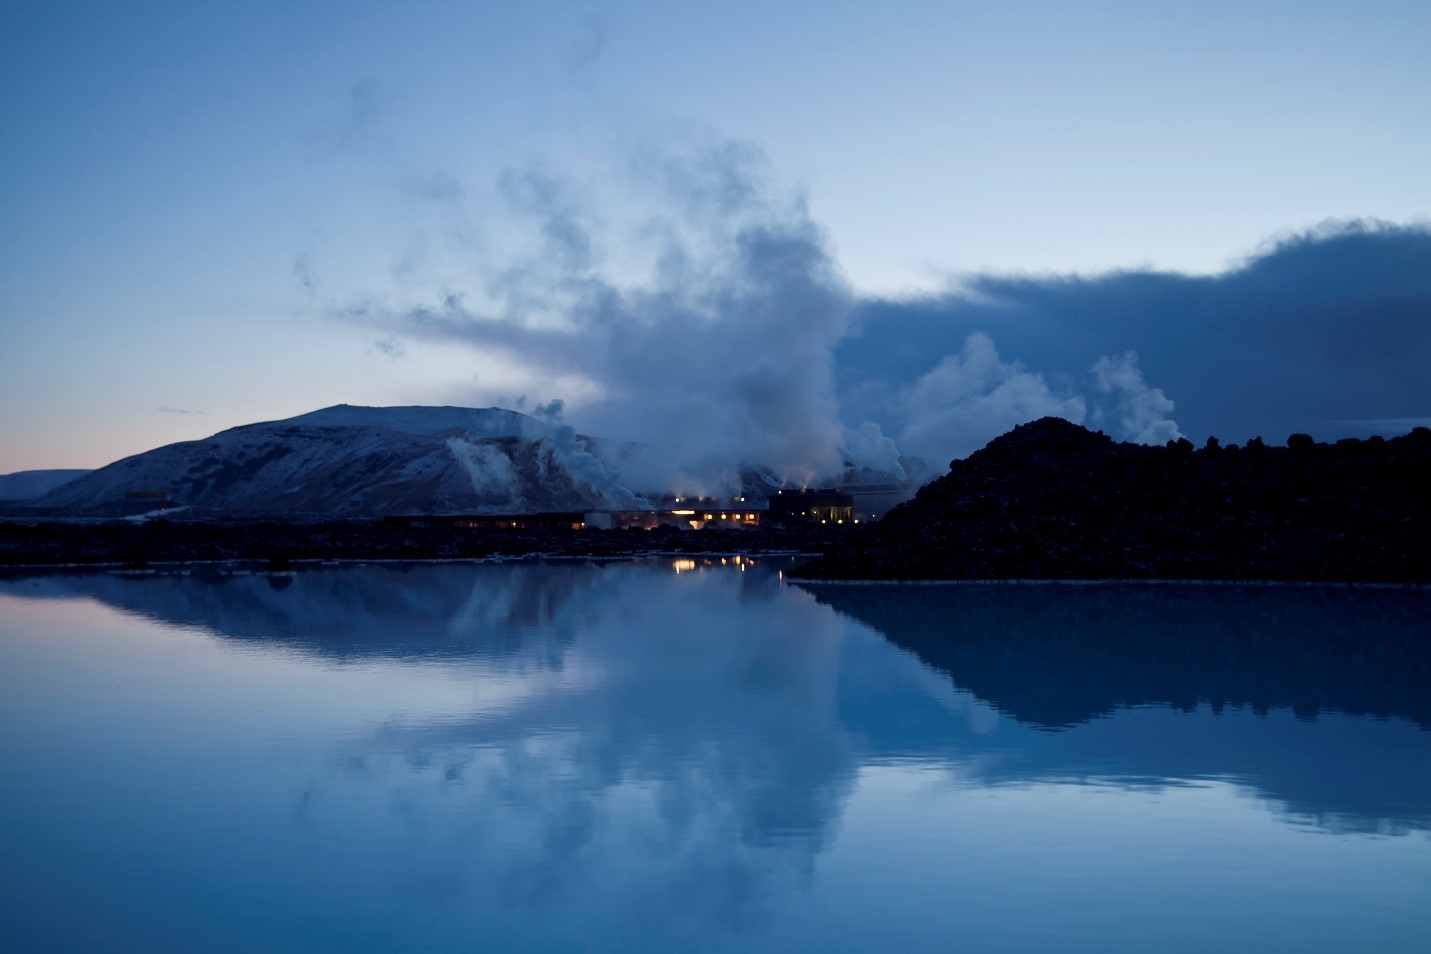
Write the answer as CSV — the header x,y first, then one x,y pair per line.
x,y
784,508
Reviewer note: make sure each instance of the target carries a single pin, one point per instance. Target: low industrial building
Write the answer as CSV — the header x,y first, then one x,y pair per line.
x,y
492,521
694,518
811,506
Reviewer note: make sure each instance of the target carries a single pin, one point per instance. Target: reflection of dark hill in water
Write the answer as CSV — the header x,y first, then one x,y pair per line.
x,y
409,611
1056,656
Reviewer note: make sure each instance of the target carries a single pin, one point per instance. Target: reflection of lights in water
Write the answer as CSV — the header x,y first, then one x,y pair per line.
x,y
687,564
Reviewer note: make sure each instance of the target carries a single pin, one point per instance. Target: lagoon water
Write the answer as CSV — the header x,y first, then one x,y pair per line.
x,y
689,756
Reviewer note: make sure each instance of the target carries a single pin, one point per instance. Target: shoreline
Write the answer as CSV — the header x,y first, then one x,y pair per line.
x,y
1115,581
258,567
263,567
281,545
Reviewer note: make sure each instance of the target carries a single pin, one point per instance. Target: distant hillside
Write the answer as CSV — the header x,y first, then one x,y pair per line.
x,y
355,461
1051,500
28,484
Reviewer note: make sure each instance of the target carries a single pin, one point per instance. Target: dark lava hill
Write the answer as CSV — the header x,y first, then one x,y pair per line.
x,y
1052,500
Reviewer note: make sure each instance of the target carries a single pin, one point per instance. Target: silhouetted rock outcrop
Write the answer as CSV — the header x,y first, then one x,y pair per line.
x,y
1052,500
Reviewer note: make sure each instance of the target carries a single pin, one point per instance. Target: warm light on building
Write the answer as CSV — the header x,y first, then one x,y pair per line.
x,y
810,506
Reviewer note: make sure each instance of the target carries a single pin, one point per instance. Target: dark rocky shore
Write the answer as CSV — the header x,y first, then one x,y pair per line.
x,y
1052,500
277,543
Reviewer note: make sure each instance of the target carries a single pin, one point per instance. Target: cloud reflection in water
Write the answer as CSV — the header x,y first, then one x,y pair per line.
x,y
652,757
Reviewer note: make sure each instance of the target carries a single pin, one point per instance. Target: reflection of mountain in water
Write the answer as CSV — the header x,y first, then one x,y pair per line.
x,y
433,610
744,711
1057,656
686,764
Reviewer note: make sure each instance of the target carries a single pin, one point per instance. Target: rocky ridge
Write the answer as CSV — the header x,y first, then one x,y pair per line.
x,y
1053,500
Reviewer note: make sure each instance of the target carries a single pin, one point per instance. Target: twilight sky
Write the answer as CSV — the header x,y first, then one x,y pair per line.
x,y
810,224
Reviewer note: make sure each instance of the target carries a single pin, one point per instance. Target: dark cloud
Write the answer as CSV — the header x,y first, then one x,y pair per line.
x,y
1327,332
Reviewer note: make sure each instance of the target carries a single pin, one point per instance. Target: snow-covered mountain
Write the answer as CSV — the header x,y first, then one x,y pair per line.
x,y
352,461
28,484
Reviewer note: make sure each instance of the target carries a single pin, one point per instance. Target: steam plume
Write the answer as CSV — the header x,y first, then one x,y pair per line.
x,y
715,325
1143,410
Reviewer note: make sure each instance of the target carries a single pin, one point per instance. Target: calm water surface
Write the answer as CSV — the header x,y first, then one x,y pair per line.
x,y
672,756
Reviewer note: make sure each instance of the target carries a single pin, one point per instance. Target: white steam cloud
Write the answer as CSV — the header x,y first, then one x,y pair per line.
x,y
720,355
585,469
972,396
489,469
1143,411
868,448
715,348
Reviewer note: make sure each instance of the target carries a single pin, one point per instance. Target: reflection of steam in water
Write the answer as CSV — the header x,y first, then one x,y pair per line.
x,y
698,777
694,760
696,768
